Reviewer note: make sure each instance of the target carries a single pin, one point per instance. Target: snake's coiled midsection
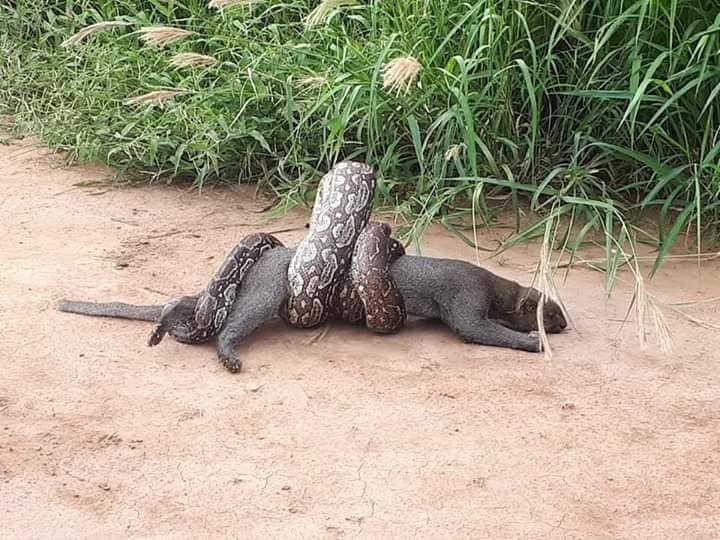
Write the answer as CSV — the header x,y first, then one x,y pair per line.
x,y
322,260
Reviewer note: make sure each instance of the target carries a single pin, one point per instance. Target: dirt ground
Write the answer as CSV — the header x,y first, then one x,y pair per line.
x,y
342,435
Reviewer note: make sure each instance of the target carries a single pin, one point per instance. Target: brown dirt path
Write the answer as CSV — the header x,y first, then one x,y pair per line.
x,y
352,436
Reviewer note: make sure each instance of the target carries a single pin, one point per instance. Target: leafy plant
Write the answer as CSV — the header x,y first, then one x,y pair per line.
x,y
602,111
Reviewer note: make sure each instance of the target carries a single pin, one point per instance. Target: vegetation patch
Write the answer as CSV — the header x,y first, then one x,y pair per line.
x,y
595,112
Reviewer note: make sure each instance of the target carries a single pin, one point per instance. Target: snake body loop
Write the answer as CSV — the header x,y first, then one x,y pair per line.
x,y
322,260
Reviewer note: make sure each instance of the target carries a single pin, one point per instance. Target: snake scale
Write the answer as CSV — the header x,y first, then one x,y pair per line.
x,y
340,269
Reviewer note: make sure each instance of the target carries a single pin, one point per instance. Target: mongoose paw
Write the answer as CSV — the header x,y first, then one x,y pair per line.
x,y
232,363
535,342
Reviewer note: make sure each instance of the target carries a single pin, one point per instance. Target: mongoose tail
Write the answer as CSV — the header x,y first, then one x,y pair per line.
x,y
112,309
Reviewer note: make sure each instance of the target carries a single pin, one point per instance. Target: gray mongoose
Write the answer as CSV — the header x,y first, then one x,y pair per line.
x,y
479,306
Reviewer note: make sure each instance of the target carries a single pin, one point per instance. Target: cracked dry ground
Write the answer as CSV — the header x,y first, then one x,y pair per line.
x,y
339,435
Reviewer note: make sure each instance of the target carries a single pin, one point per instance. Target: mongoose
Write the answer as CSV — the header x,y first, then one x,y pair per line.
x,y
479,306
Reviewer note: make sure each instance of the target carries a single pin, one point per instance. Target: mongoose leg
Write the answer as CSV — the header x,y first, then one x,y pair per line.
x,y
263,291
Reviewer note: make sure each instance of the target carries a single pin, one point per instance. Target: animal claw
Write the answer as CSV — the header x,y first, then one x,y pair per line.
x,y
231,363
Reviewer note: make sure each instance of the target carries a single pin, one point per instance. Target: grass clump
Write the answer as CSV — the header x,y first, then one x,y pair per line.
x,y
604,111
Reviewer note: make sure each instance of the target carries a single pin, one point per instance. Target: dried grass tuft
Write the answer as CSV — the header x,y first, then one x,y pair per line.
x,y
662,330
641,304
647,307
160,36
324,9
400,73
547,288
90,30
157,96
183,60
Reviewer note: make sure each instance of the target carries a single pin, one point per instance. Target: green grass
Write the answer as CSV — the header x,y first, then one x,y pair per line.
x,y
605,112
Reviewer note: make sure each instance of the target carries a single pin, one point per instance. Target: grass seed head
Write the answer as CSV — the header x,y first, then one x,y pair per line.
x,y
159,36
182,60
157,96
90,30
400,73
324,9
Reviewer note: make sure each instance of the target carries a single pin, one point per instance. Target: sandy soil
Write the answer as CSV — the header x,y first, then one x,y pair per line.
x,y
347,436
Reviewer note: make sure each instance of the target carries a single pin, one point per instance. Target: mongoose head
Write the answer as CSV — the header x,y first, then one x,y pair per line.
x,y
176,319
524,317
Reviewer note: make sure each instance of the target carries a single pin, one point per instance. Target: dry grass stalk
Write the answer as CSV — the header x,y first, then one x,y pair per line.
x,y
546,284
477,193
661,328
324,9
712,300
157,96
645,303
547,289
700,257
656,303
694,320
223,4
400,73
159,36
182,60
90,30
641,303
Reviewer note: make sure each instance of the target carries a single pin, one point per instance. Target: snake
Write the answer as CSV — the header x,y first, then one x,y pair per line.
x,y
319,275
339,270
196,319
